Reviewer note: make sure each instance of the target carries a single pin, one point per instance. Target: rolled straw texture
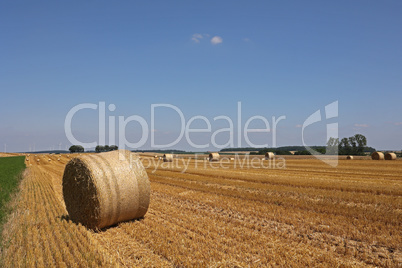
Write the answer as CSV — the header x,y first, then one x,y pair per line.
x,y
377,156
167,158
103,189
213,157
390,156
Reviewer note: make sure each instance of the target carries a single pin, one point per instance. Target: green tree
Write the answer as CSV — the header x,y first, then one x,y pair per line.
x,y
113,147
332,146
355,145
76,149
344,147
106,148
361,143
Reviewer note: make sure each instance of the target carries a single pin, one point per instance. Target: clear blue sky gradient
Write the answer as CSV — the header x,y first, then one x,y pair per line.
x,y
276,57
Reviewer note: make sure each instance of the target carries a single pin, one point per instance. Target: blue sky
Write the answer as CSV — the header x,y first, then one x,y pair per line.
x,y
278,58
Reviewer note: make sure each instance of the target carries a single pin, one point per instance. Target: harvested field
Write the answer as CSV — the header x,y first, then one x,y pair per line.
x,y
307,214
9,154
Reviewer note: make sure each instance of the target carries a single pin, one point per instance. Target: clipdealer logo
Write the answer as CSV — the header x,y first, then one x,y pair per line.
x,y
242,131
148,130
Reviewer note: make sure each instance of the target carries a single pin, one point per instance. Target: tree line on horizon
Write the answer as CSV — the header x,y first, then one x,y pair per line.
x,y
98,149
105,148
354,145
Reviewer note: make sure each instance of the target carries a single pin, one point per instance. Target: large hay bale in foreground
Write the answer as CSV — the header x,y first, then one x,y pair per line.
x,y
167,158
390,156
349,157
377,156
269,155
103,189
213,157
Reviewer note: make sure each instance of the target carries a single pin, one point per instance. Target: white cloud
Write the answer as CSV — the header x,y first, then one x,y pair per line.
x,y
196,37
216,40
398,124
246,39
361,125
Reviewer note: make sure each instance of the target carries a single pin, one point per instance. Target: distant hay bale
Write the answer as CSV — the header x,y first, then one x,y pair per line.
x,y
58,159
377,156
167,158
213,157
161,158
231,159
269,155
390,156
104,189
155,156
349,157
37,160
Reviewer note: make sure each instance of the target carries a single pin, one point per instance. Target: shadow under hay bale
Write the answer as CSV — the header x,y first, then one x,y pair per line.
x,y
104,189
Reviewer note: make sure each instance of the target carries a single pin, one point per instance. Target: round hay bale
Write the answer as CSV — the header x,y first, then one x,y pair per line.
x,y
231,159
155,156
349,157
269,155
390,156
104,189
213,157
377,156
167,158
